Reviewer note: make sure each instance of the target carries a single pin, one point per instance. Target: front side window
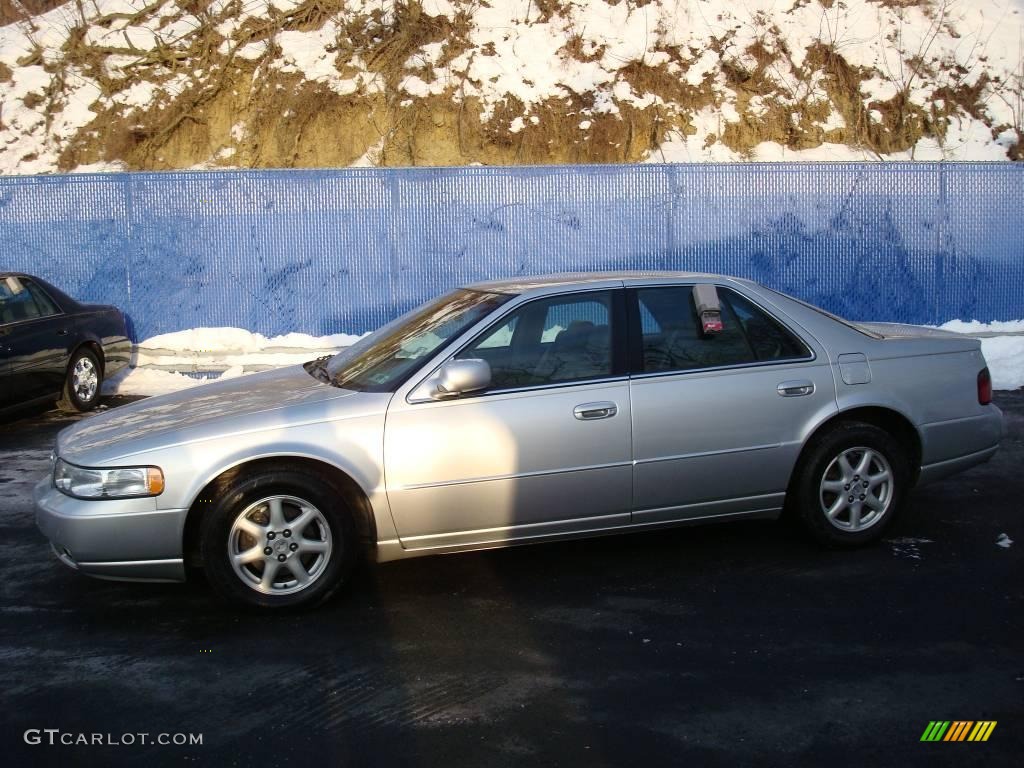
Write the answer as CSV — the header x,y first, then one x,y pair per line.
x,y
672,339
384,359
16,302
549,341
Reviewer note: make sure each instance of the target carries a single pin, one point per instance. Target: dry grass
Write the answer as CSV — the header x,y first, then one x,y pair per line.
x,y
19,10
293,123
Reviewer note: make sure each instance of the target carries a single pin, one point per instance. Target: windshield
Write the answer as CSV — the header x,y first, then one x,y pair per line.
x,y
384,359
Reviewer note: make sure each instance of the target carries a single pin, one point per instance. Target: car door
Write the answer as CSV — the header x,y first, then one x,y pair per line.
x,y
6,396
34,336
544,450
718,418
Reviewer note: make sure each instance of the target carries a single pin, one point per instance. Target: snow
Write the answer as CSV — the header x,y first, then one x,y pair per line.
x,y
908,547
572,50
149,381
1002,344
1004,541
158,361
1005,358
202,349
975,327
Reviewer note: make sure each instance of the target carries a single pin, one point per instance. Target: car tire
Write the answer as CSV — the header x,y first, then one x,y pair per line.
x,y
263,510
83,382
850,485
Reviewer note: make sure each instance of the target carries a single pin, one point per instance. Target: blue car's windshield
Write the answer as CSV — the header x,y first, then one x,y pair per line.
x,y
388,356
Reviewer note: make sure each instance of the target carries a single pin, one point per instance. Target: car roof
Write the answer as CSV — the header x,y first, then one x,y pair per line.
x,y
569,279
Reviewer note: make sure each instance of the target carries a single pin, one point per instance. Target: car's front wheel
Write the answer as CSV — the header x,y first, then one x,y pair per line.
x,y
278,539
850,484
82,382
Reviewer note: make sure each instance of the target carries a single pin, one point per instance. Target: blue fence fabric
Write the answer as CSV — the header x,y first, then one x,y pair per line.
x,y
344,250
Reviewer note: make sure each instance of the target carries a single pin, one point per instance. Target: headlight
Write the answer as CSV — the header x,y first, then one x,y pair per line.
x,y
112,483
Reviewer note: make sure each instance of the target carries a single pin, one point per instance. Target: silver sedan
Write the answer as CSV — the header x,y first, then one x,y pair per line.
x,y
522,411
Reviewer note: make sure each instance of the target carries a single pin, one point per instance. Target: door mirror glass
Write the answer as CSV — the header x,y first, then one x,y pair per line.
x,y
458,377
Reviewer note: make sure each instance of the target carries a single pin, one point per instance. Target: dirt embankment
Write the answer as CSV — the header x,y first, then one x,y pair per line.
x,y
220,95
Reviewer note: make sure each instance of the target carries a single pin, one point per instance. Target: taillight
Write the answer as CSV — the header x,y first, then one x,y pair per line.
x,y
984,387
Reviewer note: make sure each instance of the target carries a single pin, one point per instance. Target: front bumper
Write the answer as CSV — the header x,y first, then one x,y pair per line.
x,y
123,539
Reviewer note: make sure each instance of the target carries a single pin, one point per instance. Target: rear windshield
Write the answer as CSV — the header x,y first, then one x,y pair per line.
x,y
852,326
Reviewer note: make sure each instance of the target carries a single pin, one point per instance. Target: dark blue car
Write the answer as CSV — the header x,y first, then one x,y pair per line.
x,y
54,348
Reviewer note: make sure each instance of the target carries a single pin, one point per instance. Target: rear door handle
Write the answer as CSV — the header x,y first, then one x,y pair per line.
x,y
62,332
795,388
594,411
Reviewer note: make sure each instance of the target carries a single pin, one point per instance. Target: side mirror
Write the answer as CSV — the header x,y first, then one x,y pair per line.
x,y
458,377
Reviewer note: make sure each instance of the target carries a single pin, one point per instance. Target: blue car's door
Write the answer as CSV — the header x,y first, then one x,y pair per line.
x,y
5,383
34,338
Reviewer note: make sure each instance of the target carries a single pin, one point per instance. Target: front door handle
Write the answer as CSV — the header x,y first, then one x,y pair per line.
x,y
593,411
795,388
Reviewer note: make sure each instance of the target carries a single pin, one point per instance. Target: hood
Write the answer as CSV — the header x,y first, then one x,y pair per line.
x,y
279,398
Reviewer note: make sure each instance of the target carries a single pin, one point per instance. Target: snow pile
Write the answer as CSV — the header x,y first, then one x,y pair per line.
x,y
1005,358
213,349
712,79
160,364
978,328
152,381
1002,344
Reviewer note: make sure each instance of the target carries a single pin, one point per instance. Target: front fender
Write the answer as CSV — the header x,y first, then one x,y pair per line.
x,y
353,446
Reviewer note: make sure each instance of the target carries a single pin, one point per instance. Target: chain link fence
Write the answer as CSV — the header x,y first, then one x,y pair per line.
x,y
344,250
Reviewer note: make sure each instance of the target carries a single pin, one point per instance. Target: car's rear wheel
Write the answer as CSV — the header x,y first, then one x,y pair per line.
x,y
278,539
82,382
850,484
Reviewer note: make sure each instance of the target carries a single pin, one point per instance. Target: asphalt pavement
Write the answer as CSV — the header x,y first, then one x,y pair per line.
x,y
732,644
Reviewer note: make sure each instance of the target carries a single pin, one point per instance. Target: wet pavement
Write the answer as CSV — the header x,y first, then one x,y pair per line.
x,y
738,644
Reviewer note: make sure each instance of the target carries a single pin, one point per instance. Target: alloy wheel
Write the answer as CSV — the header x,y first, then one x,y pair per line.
x,y
856,489
85,379
280,545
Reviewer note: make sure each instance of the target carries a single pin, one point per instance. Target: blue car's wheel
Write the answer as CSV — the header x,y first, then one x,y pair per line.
x,y
83,382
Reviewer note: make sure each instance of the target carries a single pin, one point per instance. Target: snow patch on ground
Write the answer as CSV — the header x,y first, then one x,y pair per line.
x,y
908,547
1004,541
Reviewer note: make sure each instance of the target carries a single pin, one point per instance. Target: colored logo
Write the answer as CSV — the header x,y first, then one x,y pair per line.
x,y
958,730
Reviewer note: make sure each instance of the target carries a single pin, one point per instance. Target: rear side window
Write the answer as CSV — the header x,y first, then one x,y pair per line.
x,y
43,302
767,337
671,337
549,341
16,303
22,299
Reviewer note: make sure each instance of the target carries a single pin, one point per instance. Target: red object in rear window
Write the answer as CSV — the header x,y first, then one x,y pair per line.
x,y
984,387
